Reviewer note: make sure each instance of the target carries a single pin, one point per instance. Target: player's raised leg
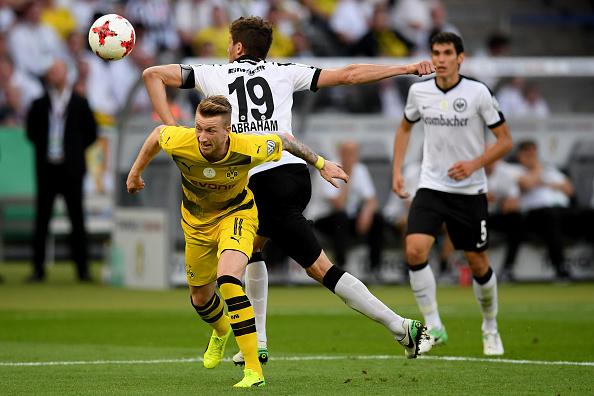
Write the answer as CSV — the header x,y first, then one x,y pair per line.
x,y
423,285
411,334
485,289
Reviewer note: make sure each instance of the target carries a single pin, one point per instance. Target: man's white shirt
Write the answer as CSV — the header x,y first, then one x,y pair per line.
x,y
454,121
360,187
260,93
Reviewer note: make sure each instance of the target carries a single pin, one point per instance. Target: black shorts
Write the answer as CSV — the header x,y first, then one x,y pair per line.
x,y
281,195
465,217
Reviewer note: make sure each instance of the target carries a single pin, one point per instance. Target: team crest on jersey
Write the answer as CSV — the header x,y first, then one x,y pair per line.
x,y
209,172
460,105
232,173
270,146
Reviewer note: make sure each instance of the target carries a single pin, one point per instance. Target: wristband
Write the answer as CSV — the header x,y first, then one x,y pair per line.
x,y
320,162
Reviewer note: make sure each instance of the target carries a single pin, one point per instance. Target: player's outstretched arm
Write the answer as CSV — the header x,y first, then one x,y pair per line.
x,y
328,169
156,78
400,146
366,73
149,150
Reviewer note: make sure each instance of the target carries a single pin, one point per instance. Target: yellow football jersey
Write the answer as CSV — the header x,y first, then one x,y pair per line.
x,y
212,190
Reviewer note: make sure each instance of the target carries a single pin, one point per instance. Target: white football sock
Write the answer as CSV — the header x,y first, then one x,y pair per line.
x,y
356,295
256,288
486,295
424,288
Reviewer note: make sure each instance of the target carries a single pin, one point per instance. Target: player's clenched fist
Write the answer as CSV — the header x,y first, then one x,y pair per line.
x,y
421,68
134,183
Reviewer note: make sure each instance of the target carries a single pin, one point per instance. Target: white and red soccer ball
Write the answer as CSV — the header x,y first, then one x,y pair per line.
x,y
112,37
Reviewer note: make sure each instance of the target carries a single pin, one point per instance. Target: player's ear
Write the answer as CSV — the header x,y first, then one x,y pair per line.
x,y
460,58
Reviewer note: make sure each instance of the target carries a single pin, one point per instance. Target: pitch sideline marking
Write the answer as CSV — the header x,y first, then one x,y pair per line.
x,y
301,358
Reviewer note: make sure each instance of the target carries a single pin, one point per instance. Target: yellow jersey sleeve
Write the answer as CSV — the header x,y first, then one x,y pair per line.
x,y
174,139
262,148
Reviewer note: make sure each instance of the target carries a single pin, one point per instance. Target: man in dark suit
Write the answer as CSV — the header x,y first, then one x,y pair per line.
x,y
61,126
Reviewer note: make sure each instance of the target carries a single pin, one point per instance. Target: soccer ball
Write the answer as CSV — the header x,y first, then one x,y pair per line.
x,y
112,37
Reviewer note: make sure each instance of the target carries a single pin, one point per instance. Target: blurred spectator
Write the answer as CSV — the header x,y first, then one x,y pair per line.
x,y
534,104
86,11
17,91
352,210
192,16
497,44
350,23
412,18
7,16
545,197
61,126
58,18
34,46
282,45
158,20
215,35
439,22
381,39
510,96
503,197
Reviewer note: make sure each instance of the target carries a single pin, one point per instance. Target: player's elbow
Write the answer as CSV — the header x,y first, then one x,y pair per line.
x,y
151,73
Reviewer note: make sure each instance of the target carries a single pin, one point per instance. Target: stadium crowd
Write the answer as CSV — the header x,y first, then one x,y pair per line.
x,y
35,33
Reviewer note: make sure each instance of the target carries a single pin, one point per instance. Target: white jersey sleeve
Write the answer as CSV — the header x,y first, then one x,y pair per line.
x,y
411,110
302,76
489,110
205,78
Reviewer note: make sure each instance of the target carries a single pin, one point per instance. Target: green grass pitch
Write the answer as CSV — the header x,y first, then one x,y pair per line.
x,y
122,342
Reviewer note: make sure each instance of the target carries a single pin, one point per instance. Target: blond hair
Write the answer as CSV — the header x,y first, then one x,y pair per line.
x,y
214,106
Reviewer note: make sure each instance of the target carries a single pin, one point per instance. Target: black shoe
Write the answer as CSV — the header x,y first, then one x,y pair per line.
x,y
35,278
86,279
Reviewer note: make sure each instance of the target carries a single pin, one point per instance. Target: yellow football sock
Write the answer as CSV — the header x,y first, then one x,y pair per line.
x,y
241,315
213,313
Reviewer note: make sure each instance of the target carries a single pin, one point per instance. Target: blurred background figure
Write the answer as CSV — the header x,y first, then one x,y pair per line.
x,y
545,199
33,45
504,211
60,125
352,211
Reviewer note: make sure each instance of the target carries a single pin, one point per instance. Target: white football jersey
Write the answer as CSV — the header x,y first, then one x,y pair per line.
x,y
454,122
260,93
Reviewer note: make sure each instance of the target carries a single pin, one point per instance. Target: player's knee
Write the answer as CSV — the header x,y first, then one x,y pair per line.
x,y
319,268
199,299
415,255
478,262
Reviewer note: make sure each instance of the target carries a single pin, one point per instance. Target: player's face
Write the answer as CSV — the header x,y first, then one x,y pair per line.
x,y
445,59
212,134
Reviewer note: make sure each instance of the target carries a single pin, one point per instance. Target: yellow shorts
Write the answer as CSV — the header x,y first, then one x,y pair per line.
x,y
205,244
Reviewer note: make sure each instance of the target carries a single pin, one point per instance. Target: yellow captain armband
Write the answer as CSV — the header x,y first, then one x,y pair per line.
x,y
320,162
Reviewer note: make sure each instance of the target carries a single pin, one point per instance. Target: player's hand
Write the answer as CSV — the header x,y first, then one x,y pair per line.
x,y
462,169
332,171
134,183
398,187
421,68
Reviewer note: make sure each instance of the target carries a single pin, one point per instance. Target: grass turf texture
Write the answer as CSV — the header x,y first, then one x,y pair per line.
x,y
61,320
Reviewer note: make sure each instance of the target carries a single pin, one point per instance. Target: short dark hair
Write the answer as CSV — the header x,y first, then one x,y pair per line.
x,y
448,37
526,144
254,33
214,106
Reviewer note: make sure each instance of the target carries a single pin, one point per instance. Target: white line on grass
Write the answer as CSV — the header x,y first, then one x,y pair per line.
x,y
301,358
